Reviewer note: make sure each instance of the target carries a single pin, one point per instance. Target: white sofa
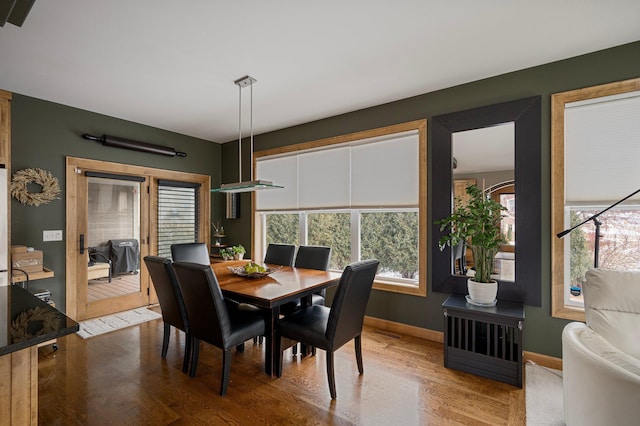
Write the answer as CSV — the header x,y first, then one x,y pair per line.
x,y
601,359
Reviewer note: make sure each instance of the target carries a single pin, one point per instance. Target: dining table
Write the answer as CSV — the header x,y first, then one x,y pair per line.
x,y
284,284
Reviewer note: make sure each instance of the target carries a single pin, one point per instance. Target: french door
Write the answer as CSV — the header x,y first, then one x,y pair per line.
x,y
107,238
121,213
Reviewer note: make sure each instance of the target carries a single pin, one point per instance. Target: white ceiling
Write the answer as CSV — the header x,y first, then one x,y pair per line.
x,y
171,64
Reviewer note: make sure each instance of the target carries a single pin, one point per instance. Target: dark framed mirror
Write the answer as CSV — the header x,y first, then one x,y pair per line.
x,y
525,114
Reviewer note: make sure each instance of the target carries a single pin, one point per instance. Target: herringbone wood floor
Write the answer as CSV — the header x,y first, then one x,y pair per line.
x,y
119,378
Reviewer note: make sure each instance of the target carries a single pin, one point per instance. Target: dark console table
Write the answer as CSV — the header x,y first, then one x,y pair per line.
x,y
486,341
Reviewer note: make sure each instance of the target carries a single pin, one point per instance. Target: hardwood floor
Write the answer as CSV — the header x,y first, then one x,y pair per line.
x,y
119,378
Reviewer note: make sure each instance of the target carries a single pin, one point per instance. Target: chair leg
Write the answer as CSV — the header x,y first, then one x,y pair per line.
x,y
187,352
226,370
165,340
240,347
359,353
195,353
279,353
294,350
331,375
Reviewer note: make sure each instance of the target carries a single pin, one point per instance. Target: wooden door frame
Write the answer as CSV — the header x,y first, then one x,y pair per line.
x,y
76,302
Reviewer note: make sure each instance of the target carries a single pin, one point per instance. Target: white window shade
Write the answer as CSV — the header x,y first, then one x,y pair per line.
x,y
282,171
602,149
323,178
376,172
385,173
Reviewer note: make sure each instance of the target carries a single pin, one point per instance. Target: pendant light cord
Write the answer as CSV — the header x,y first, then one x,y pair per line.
x,y
240,133
251,131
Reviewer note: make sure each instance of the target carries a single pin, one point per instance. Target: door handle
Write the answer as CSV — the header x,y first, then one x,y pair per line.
x,y
81,243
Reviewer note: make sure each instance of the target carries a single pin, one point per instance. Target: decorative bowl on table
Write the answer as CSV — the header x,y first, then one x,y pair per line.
x,y
252,270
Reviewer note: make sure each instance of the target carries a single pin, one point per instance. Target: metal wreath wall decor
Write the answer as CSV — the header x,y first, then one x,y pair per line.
x,y
22,178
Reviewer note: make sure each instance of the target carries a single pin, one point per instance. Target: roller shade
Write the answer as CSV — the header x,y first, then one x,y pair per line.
x,y
375,172
602,148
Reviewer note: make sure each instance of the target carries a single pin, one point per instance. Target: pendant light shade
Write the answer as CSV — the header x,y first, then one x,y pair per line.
x,y
250,185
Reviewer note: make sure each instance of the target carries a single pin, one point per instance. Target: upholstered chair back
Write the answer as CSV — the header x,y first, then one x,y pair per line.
x,y
612,307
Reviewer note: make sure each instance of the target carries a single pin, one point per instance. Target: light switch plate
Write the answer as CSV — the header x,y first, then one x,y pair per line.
x,y
52,235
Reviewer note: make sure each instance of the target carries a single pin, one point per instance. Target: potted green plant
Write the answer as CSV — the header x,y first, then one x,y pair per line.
x,y
477,224
238,252
226,253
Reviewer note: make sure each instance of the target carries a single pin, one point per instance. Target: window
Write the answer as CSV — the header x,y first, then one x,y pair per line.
x,y
594,164
331,229
177,214
283,228
362,194
387,235
619,246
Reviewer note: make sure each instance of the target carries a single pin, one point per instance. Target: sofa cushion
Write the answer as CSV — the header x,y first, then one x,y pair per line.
x,y
612,307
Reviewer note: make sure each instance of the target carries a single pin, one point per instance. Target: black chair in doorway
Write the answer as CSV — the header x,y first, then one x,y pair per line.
x,y
330,328
171,302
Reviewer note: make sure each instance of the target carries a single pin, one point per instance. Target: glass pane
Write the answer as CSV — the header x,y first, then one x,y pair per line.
x,y
113,235
177,217
332,230
283,228
619,242
392,238
508,224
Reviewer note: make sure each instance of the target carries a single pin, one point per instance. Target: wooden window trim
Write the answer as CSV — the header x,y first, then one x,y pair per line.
x,y
558,102
421,127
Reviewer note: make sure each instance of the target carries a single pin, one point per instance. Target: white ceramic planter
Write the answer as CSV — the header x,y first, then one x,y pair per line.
x,y
484,293
238,256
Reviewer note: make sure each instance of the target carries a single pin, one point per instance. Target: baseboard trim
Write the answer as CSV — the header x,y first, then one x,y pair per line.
x,y
409,330
438,336
543,360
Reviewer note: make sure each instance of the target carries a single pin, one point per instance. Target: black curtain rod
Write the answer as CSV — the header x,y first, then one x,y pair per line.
x,y
117,142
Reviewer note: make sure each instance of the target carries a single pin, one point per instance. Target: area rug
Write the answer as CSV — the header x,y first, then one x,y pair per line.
x,y
543,389
106,324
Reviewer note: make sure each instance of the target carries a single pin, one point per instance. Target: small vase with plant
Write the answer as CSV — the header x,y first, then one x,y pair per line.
x,y
238,252
476,224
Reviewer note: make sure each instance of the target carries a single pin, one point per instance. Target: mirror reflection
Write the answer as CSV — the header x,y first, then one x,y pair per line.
x,y
486,157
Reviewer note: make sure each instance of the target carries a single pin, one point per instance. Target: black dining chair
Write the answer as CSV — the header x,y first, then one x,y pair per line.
x,y
309,257
314,257
171,302
212,318
330,328
190,252
280,254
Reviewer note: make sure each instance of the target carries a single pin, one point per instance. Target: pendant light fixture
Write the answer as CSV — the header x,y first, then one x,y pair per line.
x,y
250,185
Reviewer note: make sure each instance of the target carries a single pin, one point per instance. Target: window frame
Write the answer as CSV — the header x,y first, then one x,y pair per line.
x,y
421,127
559,309
355,237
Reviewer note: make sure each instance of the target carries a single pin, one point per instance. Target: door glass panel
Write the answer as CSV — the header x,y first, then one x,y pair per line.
x,y
113,238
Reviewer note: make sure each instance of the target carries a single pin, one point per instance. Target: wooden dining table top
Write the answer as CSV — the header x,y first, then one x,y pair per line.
x,y
285,284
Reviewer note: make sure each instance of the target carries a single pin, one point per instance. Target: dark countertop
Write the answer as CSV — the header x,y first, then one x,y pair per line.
x,y
26,321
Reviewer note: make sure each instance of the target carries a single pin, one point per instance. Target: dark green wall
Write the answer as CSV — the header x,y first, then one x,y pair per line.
x,y
542,333
44,133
